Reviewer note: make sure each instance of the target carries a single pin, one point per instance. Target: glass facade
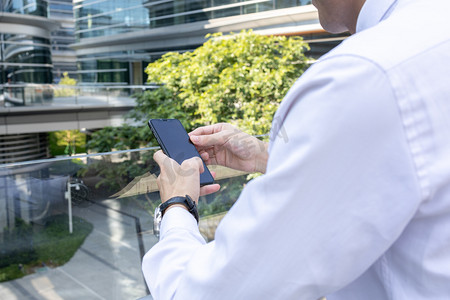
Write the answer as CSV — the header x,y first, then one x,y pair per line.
x,y
24,58
64,59
119,68
104,70
103,18
60,9
117,19
95,18
26,7
108,17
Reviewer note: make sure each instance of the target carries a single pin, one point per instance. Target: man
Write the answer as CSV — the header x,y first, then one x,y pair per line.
x,y
355,200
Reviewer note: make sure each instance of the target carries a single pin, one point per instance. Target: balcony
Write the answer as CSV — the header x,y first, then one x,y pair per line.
x,y
14,95
29,108
77,227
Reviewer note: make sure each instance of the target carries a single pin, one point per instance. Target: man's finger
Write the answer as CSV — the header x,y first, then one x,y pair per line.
x,y
210,140
159,157
204,155
209,189
209,129
163,160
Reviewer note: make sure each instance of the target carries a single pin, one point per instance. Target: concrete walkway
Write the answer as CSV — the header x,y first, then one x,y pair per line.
x,y
107,266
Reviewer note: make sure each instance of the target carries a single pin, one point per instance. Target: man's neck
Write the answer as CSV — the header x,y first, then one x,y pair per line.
x,y
356,9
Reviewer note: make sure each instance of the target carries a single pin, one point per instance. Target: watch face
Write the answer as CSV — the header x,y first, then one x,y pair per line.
x,y
157,221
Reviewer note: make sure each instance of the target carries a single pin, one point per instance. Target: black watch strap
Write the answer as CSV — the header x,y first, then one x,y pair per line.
x,y
186,201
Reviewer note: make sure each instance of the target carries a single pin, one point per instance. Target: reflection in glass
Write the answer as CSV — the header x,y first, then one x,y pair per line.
x,y
64,218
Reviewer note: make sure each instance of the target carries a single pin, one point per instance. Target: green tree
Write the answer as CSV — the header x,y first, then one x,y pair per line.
x,y
239,78
68,142
61,90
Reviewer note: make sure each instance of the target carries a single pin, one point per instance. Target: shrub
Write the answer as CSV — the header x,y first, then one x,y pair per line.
x,y
240,78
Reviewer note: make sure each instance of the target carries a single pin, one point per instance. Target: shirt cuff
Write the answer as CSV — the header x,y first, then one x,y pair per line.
x,y
177,218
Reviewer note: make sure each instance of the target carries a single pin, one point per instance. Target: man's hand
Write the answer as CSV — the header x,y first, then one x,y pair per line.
x,y
223,144
180,180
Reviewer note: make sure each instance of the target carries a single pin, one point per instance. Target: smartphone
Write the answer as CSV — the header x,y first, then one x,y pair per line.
x,y
175,142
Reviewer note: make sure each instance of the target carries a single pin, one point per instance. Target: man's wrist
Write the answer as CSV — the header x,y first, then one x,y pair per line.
x,y
184,201
177,205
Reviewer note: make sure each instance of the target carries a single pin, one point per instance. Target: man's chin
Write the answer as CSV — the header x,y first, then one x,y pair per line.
x,y
333,28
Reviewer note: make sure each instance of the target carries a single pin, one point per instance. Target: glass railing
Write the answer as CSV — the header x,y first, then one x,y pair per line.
x,y
68,95
77,227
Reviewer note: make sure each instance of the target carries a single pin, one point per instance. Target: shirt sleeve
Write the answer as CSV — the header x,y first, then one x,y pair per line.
x,y
162,265
339,189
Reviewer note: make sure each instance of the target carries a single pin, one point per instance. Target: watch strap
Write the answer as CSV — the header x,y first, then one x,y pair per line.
x,y
186,201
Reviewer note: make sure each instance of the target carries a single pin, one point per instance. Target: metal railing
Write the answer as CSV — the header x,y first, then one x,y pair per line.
x,y
61,95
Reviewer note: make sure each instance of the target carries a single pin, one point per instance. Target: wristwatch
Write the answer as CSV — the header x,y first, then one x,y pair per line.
x,y
161,209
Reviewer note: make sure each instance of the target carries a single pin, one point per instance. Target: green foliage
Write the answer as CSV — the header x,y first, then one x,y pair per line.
x,y
25,248
230,190
55,245
66,80
11,272
116,175
67,142
118,138
103,140
240,79
65,91
17,246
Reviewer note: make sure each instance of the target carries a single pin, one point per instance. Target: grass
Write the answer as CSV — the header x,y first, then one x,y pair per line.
x,y
11,272
53,245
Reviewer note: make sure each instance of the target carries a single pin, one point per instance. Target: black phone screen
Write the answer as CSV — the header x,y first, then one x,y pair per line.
x,y
175,142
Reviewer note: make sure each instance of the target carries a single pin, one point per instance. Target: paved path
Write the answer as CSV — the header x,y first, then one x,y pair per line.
x,y
107,266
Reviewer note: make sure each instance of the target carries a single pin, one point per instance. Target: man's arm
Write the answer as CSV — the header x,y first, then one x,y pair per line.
x,y
339,189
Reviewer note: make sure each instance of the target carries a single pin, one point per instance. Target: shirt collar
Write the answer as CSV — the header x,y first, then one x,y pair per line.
x,y
373,12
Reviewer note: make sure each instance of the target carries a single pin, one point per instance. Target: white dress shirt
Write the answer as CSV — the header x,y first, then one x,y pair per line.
x,y
355,203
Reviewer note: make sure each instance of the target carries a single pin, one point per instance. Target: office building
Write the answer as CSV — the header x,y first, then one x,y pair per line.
x,y
115,39
63,57
25,48
34,52
25,57
112,41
